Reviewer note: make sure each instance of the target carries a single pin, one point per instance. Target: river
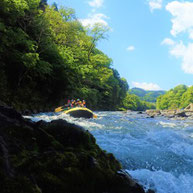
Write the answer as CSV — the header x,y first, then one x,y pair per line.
x,y
157,152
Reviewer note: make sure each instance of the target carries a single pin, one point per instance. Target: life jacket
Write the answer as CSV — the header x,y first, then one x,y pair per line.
x,y
84,104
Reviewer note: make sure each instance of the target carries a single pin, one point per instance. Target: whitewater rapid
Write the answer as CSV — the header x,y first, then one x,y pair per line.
x,y
158,152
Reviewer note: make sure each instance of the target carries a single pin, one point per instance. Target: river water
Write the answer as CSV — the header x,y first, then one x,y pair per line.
x,y
157,152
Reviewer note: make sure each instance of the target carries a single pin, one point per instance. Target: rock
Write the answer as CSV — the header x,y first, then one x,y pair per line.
x,y
26,112
150,117
55,157
150,191
153,112
168,113
189,114
181,114
129,183
2,103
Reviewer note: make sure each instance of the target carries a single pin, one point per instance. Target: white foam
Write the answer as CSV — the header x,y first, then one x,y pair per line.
x,y
167,124
163,182
86,123
159,151
191,135
182,149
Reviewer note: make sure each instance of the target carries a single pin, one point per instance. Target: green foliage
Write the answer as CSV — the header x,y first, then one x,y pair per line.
x,y
133,102
179,97
187,97
149,96
47,57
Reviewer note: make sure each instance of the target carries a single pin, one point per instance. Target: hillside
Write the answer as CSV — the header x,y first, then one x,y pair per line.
x,y
145,95
48,57
179,97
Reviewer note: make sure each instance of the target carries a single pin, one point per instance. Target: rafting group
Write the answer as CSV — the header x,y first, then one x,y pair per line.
x,y
76,108
75,103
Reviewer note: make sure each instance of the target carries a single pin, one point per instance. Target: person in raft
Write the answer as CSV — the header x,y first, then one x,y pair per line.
x,y
83,103
68,104
73,103
78,103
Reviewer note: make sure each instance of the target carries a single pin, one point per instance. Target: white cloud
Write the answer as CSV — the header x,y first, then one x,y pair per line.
x,y
179,50
185,53
131,48
182,21
167,41
155,4
146,86
95,18
96,3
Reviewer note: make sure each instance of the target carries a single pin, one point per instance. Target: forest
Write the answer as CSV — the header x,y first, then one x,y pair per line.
x,y
177,98
147,95
48,57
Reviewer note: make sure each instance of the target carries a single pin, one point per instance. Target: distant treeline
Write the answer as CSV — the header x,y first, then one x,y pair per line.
x,y
146,95
133,102
48,57
179,97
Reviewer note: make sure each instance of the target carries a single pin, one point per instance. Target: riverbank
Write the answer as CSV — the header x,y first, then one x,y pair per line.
x,y
55,157
175,114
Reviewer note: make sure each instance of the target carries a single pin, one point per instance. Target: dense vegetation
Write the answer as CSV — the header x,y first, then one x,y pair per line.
x,y
144,95
133,102
47,56
179,97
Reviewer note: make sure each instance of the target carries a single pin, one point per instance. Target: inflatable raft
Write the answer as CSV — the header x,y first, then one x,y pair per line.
x,y
78,112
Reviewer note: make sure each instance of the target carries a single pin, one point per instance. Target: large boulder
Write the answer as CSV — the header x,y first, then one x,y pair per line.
x,y
55,157
168,113
181,114
153,112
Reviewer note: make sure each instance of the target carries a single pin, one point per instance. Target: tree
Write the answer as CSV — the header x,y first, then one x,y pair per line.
x,y
47,57
172,98
97,32
43,4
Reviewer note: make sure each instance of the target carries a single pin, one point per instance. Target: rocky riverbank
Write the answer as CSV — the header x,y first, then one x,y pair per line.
x,y
55,157
176,114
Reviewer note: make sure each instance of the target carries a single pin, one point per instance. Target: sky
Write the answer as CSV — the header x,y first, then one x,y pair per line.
x,y
149,41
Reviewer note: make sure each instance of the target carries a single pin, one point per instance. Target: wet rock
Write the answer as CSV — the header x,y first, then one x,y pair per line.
x,y
129,183
168,113
150,191
181,114
150,117
153,112
26,112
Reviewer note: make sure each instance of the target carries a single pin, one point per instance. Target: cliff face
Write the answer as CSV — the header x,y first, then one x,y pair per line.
x,y
55,157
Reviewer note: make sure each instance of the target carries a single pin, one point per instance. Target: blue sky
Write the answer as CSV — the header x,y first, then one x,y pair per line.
x,y
150,41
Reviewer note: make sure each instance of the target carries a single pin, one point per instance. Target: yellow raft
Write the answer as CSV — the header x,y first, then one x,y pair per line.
x,y
78,112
